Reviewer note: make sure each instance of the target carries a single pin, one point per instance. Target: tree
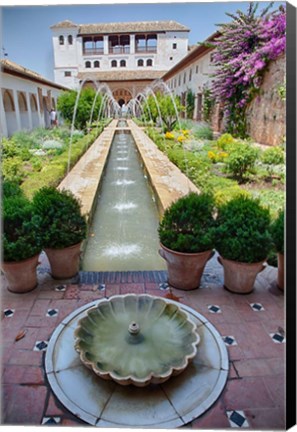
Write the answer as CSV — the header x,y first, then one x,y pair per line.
x,y
243,51
166,105
66,105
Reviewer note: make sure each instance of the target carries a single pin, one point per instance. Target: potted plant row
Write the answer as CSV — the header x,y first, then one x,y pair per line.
x,y
277,232
52,220
240,231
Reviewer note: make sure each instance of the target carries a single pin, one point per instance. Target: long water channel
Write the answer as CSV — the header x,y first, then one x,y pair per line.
x,y
123,235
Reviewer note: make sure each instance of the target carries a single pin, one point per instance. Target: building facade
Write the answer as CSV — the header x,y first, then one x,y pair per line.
x,y
126,56
26,98
193,74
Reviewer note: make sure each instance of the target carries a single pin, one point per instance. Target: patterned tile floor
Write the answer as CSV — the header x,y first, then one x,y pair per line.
x,y
252,327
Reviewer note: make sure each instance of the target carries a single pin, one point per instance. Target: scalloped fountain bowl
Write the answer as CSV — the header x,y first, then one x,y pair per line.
x,y
136,339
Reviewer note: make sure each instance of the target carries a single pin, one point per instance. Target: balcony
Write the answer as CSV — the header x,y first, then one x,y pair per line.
x,y
93,51
146,49
121,49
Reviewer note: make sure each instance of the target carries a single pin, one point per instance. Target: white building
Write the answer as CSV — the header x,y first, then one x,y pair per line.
x,y
126,56
193,73
26,98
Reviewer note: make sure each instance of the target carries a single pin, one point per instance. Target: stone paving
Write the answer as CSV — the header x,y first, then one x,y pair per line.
x,y
252,327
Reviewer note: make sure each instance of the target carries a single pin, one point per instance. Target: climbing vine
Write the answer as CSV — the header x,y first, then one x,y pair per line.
x,y
190,105
244,49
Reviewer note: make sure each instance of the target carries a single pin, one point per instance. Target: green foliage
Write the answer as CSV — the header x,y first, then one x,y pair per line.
x,y
278,232
224,141
190,105
11,189
62,223
66,106
12,169
243,230
241,161
188,224
203,131
162,105
273,156
21,229
208,103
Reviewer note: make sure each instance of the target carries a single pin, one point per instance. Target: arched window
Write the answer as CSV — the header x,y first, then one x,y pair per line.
x,y
140,62
149,62
88,64
70,39
61,40
123,63
22,102
8,101
96,64
33,103
114,63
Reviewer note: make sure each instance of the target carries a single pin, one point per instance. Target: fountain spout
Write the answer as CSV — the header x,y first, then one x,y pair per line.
x,y
134,328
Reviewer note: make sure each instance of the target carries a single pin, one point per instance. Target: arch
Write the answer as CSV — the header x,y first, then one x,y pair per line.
x,y
123,63
149,62
8,101
140,62
87,64
22,102
114,63
61,40
70,39
96,64
33,103
121,102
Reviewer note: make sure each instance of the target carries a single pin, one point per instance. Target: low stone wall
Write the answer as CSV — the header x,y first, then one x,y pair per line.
x,y
266,114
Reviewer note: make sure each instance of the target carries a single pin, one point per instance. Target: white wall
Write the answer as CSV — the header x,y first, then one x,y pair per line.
x,y
24,120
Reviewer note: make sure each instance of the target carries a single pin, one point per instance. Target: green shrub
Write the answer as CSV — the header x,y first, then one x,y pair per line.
x,y
21,229
203,131
278,232
243,230
224,140
241,161
273,156
188,224
222,196
12,169
11,189
62,222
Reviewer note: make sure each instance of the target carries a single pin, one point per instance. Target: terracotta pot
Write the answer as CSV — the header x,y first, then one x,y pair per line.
x,y
240,277
64,262
184,269
280,271
21,275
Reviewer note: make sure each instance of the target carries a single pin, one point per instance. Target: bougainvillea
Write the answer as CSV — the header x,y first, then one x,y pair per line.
x,y
244,49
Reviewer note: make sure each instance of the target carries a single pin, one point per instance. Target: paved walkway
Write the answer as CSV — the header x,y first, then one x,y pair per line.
x,y
252,327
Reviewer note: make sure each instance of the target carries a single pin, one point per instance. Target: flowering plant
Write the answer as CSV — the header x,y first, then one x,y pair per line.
x,y
243,51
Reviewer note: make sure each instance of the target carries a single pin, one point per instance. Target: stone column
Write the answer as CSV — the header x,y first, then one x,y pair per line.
x,y
105,44
17,109
29,111
132,44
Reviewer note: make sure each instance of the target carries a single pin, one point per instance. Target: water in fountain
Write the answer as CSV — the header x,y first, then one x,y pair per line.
x,y
123,234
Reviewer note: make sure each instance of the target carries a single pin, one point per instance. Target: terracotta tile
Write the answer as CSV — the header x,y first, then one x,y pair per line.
x,y
136,288
247,393
214,418
268,418
259,367
151,286
40,307
111,290
33,375
12,374
26,358
53,408
24,404
276,388
233,374
72,292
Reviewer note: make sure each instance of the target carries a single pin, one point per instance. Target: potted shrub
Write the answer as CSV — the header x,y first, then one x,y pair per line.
x,y
243,241
63,230
277,232
21,242
186,234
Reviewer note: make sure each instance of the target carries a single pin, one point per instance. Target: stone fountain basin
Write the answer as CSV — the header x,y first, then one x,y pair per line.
x,y
136,339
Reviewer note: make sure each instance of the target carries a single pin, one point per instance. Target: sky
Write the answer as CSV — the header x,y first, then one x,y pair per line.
x,y
27,39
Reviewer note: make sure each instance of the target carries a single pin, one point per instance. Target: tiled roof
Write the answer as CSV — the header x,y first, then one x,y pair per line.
x,y
131,27
122,27
14,68
64,24
120,75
